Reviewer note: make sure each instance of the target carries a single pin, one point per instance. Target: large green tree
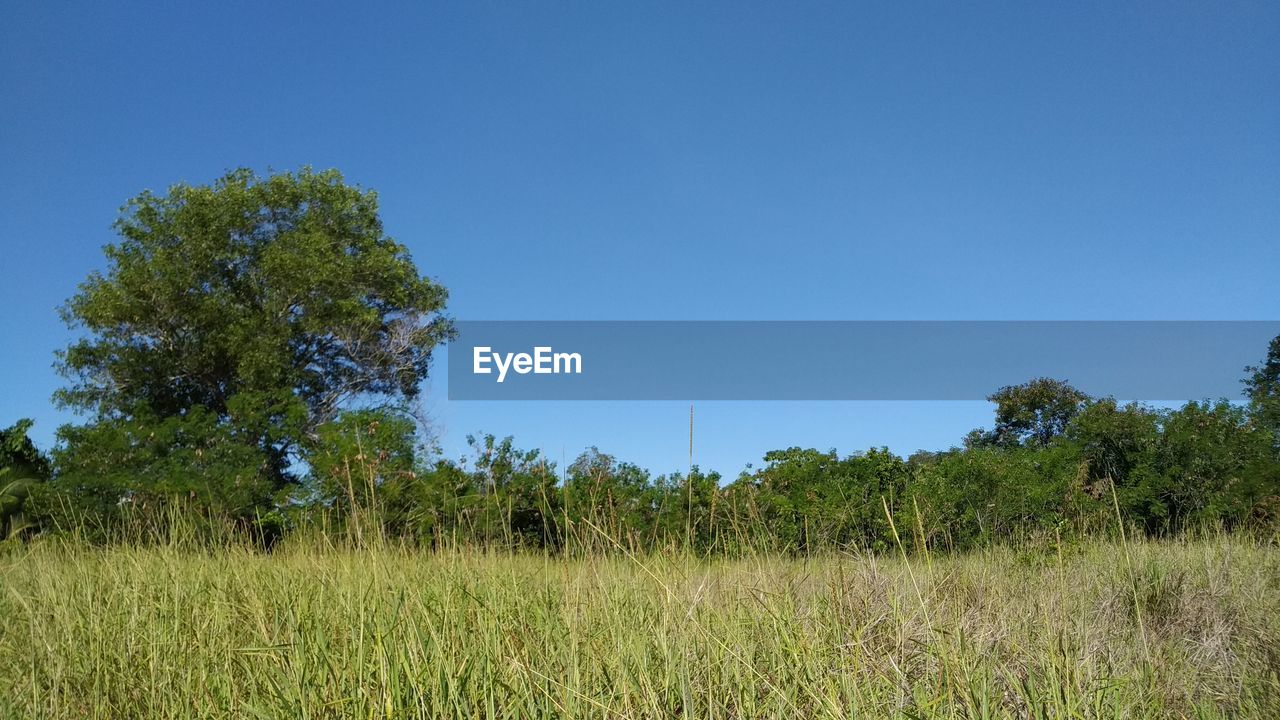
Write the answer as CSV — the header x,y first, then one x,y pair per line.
x,y
234,320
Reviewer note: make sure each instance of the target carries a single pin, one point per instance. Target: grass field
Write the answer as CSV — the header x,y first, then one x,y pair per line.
x,y
1187,629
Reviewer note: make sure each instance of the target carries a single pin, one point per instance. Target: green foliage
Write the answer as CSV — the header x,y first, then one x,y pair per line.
x,y
22,469
362,457
143,461
233,322
513,493
14,490
18,453
616,496
807,499
1035,412
1212,466
1262,386
1205,463
990,493
1116,444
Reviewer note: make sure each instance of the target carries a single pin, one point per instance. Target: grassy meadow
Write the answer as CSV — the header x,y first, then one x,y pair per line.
x,y
313,630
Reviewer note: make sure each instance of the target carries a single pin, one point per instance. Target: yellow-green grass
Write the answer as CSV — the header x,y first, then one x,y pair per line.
x,y
1186,629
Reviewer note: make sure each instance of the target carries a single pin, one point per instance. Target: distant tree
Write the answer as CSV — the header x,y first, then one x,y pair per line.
x,y
807,499
22,466
683,508
1262,385
1035,412
1117,444
362,458
19,455
1213,466
979,438
988,493
615,496
233,321
515,493
923,457
791,491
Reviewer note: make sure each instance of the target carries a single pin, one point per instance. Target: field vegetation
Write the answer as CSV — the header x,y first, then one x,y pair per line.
x,y
335,628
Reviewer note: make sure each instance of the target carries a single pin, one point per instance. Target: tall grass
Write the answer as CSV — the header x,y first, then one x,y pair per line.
x,y
327,630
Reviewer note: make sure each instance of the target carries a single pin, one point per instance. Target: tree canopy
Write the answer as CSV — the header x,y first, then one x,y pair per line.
x,y
1035,412
233,321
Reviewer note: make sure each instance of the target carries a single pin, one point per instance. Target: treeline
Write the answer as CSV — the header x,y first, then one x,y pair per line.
x,y
1055,462
254,349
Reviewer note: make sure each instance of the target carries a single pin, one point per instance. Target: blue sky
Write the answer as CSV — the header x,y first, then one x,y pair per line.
x,y
679,161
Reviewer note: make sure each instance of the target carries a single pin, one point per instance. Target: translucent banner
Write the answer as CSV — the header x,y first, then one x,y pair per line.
x,y
848,360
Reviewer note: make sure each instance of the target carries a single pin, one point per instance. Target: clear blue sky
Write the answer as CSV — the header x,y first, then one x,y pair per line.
x,y
688,160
